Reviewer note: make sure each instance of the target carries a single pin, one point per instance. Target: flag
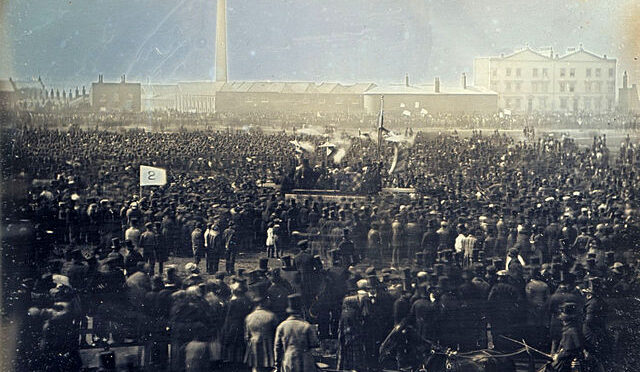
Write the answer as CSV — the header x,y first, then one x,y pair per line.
x,y
406,113
303,146
339,155
381,128
399,162
152,176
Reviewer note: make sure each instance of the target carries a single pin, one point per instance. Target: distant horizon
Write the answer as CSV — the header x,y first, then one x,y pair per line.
x,y
69,43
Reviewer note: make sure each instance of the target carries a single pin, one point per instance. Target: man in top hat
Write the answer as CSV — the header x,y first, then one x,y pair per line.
x,y
197,243
260,332
115,252
294,340
231,245
398,240
571,344
232,335
133,234
596,336
374,242
277,293
131,257
347,249
565,293
429,243
149,243
354,327
215,248
503,308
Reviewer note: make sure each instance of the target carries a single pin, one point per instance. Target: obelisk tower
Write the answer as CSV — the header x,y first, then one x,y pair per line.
x,y
221,41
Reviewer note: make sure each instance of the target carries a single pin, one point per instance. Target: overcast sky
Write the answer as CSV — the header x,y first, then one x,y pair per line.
x,y
302,40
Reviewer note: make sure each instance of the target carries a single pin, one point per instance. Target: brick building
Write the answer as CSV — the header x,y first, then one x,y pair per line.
x,y
116,97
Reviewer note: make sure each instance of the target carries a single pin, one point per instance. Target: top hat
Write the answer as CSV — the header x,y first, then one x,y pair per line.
x,y
303,244
264,264
115,243
255,276
443,282
294,304
107,361
286,263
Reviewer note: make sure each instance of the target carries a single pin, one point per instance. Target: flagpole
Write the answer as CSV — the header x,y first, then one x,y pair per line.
x,y
380,125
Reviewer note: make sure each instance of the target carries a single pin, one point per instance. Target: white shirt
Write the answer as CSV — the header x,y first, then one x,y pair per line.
x,y
458,244
270,238
207,232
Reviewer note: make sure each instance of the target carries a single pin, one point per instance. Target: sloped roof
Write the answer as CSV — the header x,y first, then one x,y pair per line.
x,y
527,50
236,86
321,88
428,89
587,53
358,88
200,88
266,87
295,87
159,90
301,87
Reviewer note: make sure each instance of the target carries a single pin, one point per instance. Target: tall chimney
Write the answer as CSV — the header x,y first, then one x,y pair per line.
x,y
464,81
123,79
406,80
437,85
221,41
625,80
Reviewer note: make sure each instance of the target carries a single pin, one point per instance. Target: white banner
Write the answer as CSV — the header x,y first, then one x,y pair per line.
x,y
152,176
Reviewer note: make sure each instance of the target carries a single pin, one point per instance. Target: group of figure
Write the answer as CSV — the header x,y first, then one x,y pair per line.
x,y
532,240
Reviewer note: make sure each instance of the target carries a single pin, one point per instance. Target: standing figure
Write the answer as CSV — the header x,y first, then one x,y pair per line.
x,y
197,243
260,332
294,340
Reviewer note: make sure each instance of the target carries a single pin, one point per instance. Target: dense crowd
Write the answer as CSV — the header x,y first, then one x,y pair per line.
x,y
273,121
531,240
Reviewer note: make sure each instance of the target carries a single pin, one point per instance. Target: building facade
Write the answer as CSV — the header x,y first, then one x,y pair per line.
x,y
413,100
541,81
291,97
116,97
7,95
628,99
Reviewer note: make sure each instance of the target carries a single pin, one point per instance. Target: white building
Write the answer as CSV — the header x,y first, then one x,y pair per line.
x,y
530,80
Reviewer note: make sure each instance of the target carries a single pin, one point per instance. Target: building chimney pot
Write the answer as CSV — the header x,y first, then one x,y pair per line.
x,y
437,85
464,80
406,80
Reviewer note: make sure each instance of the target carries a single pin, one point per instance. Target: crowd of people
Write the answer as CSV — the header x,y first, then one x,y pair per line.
x,y
501,239
274,121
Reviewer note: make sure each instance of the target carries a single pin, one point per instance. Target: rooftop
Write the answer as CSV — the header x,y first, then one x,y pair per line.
x,y
429,89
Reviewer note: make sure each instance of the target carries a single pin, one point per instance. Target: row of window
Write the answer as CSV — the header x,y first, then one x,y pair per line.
x,y
564,86
588,103
544,72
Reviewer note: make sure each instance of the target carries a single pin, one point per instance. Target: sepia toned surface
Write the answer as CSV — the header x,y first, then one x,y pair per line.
x,y
320,186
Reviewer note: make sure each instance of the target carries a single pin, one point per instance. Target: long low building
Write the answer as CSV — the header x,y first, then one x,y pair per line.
x,y
292,97
422,99
268,97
